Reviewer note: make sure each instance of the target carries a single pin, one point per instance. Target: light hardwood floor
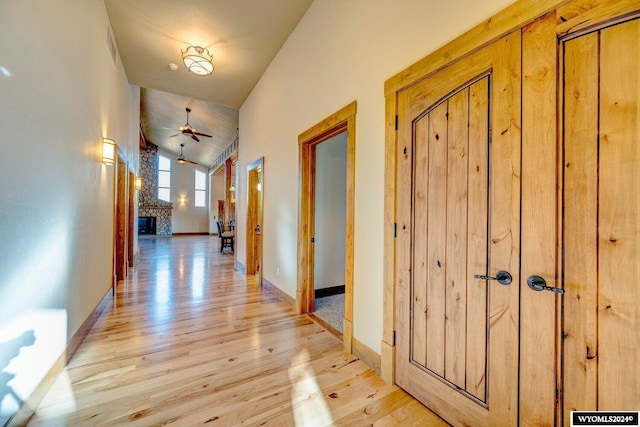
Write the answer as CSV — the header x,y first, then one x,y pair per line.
x,y
190,341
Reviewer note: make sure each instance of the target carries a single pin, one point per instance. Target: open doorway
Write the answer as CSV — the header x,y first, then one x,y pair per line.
x,y
255,191
330,194
341,125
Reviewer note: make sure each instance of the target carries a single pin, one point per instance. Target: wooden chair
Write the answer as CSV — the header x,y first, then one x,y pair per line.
x,y
227,238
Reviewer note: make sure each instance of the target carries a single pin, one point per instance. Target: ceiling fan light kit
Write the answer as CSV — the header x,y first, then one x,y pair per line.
x,y
198,60
182,159
189,130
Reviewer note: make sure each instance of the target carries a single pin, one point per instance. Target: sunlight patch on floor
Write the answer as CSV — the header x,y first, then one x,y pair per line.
x,y
30,344
309,406
65,401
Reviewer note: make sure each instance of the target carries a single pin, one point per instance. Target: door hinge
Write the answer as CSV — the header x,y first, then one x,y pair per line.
x,y
393,339
396,122
395,230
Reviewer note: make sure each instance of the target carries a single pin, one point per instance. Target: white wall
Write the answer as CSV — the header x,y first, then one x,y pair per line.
x,y
186,217
330,212
60,93
341,51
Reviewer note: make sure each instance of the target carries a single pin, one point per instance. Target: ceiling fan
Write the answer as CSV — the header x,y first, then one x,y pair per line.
x,y
182,159
187,129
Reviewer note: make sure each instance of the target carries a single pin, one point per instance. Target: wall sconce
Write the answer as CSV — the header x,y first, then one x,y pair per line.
x,y
183,199
198,60
108,151
138,183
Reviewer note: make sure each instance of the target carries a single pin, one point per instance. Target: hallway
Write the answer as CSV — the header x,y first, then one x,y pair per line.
x,y
188,341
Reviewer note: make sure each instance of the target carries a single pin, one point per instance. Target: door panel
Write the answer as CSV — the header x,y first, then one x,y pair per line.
x,y
455,223
477,238
580,220
458,212
619,218
539,319
601,209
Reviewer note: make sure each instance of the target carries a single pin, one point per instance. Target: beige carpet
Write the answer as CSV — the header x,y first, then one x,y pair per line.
x,y
331,310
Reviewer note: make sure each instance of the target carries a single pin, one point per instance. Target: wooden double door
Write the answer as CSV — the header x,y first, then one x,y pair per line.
x,y
493,204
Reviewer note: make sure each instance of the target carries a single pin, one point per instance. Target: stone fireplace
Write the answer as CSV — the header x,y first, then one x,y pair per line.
x,y
149,204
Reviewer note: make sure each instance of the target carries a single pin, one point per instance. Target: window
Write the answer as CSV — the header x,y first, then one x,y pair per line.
x,y
164,178
201,189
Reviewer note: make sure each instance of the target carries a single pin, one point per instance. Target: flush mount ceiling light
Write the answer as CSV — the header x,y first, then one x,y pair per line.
x,y
198,60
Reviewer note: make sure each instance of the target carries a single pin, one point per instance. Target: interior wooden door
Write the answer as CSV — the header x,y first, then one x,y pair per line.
x,y
601,220
121,220
255,189
131,220
458,217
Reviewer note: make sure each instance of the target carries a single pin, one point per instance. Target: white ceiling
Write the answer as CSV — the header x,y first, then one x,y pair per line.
x,y
242,35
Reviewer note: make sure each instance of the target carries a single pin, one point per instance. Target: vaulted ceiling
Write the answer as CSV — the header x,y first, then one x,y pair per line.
x,y
242,35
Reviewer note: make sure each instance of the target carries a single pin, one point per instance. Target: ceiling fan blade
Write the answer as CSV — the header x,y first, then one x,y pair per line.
x,y
171,136
183,160
195,138
202,134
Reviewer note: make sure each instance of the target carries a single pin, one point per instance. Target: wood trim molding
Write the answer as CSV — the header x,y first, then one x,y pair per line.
x,y
583,15
347,331
192,233
228,180
513,17
325,292
367,355
340,121
274,290
318,132
333,331
131,219
387,370
32,402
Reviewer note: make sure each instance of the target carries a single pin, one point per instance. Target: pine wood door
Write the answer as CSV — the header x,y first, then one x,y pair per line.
x,y
458,216
601,220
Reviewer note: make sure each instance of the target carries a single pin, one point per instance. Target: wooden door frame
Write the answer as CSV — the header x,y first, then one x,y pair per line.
x,y
227,192
131,220
124,199
343,120
121,223
251,257
120,202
